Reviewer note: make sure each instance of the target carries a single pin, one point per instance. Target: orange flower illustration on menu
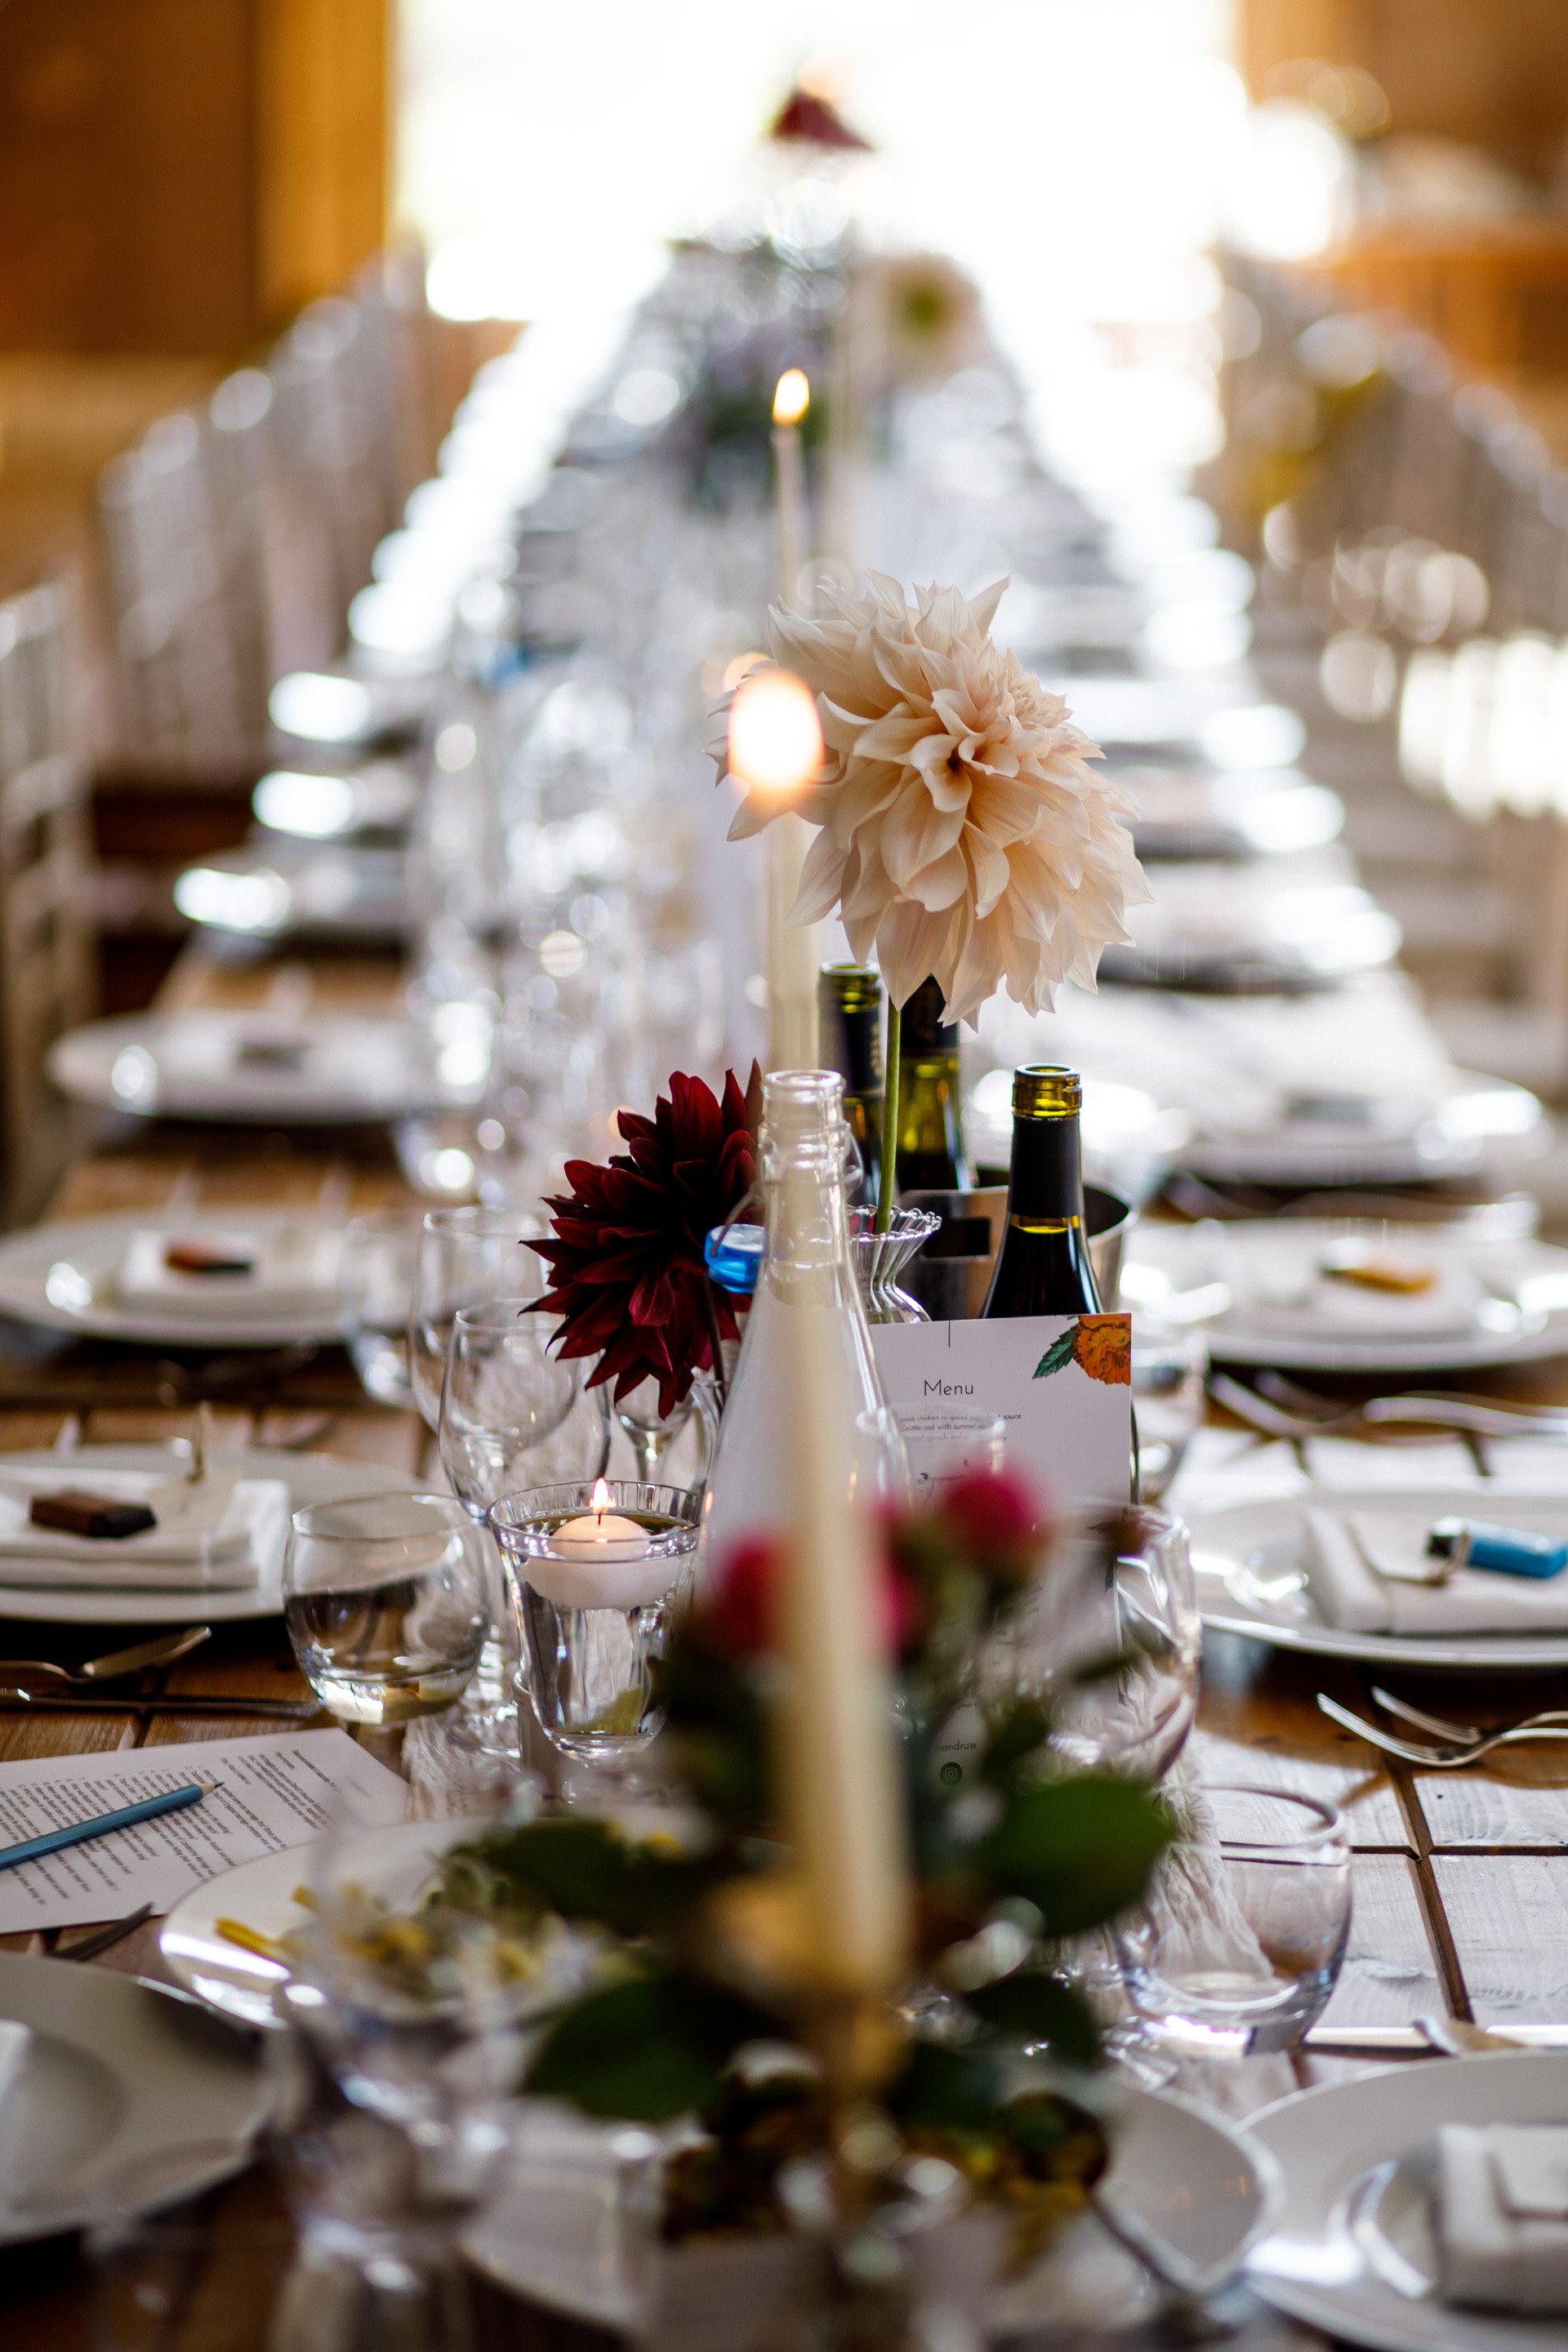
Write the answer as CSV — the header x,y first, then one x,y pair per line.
x,y
1100,1344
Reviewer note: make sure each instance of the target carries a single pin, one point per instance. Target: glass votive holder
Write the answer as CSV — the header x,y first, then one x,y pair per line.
x,y
592,1572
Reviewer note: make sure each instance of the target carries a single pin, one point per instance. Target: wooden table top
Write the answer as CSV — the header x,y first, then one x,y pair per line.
x,y
1461,1881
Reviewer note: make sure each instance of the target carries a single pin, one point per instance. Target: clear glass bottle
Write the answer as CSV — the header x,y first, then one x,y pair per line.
x,y
808,1166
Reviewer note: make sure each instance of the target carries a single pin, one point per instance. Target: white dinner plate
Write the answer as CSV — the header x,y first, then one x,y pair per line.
x,y
279,888
130,2098
311,1478
64,1278
1486,1301
1242,1548
1197,2185
1444,1124
245,1067
238,1984
1352,2253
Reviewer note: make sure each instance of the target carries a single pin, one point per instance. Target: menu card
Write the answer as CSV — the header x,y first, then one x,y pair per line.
x,y
268,1793
1062,1384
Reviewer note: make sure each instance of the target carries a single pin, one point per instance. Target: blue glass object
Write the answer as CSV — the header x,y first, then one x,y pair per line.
x,y
1508,1551
734,1256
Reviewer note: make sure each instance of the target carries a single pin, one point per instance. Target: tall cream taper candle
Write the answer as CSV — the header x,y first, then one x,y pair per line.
x,y
793,955
843,1809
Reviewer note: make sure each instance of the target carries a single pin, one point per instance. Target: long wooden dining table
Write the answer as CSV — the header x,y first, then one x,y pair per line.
x,y
1461,1880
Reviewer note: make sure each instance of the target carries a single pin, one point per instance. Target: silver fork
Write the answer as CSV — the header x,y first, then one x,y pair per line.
x,y
1453,1756
1473,1415
162,1651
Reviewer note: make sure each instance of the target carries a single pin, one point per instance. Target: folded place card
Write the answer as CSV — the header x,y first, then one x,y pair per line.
x,y
1061,1383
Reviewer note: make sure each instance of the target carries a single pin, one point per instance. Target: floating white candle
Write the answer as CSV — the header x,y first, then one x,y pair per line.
x,y
603,1538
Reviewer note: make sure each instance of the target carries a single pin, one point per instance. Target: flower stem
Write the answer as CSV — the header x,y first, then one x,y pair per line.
x,y
888,1192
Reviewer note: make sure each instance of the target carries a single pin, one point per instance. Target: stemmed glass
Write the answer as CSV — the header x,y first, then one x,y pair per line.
x,y
466,1257
375,1286
511,1414
652,1433
506,1402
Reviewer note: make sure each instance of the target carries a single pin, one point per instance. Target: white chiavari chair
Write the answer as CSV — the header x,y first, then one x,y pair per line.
x,y
47,922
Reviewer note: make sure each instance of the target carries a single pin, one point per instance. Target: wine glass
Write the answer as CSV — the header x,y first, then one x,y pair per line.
x,y
1118,1584
387,1602
466,1257
651,1432
512,1414
375,1287
505,1396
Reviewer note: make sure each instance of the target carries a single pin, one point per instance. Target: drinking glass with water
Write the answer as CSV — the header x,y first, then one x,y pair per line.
x,y
1239,1946
385,1598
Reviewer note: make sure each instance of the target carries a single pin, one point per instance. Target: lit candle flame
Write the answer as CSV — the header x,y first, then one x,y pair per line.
x,y
775,737
791,396
601,1496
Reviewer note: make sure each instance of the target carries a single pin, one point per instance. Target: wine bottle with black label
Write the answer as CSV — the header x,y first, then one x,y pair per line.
x,y
932,1157
1043,1266
850,1040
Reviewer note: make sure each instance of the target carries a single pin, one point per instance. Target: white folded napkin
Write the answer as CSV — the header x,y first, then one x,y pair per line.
x,y
1499,2213
294,1272
1360,1565
220,1533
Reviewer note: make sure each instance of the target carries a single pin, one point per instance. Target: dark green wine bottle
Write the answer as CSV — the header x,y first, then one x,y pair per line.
x,y
850,1040
932,1157
1043,1266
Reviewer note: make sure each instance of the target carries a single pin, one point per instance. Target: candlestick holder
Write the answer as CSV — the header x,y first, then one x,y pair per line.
x,y
592,1572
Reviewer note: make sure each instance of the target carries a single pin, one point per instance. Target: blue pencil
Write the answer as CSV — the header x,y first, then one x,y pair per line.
x,y
173,1801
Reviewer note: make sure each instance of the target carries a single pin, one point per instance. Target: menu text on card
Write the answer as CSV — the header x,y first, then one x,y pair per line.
x,y
1062,1384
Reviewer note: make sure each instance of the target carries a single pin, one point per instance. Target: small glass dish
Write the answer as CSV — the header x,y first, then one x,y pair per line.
x,y
592,1572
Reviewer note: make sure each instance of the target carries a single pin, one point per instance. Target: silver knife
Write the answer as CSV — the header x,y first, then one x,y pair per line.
x,y
1434,2037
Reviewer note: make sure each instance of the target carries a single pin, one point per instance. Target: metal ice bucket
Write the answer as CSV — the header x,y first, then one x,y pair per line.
x,y
952,1274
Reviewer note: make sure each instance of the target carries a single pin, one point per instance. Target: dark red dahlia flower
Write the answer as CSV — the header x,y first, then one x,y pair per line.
x,y
626,1271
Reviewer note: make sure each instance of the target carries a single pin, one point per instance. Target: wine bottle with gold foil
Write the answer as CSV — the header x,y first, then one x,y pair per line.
x,y
850,1040
932,1157
1043,1266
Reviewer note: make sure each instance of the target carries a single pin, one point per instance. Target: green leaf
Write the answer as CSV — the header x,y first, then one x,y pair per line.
x,y
1030,2009
953,2090
1057,1356
1080,1850
654,2047
586,1870
1016,1736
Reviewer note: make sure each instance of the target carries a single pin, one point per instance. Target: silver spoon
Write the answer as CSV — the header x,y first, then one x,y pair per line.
x,y
159,1651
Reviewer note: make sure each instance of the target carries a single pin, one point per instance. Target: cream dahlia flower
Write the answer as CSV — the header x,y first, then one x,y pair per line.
x,y
961,832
